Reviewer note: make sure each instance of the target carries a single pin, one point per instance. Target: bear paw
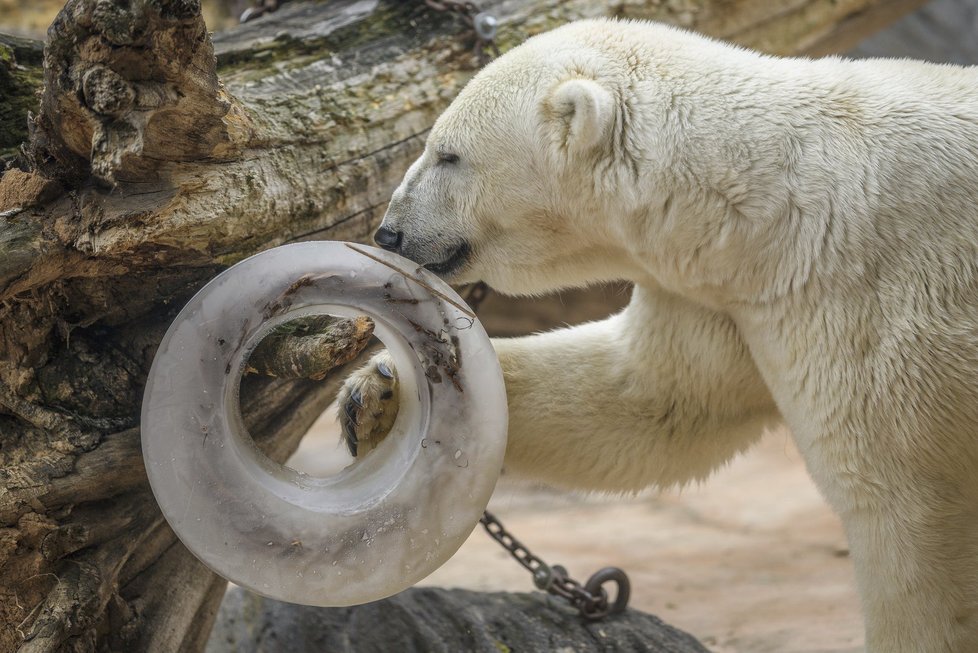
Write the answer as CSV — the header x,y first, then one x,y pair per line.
x,y
368,404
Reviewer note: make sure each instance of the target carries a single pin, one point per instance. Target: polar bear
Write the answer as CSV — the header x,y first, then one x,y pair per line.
x,y
802,236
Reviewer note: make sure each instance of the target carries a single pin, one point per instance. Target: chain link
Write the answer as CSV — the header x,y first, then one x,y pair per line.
x,y
590,599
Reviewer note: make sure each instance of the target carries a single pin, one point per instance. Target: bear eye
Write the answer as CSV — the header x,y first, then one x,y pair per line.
x,y
447,157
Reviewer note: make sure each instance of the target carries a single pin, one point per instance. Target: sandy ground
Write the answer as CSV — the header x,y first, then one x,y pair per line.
x,y
752,561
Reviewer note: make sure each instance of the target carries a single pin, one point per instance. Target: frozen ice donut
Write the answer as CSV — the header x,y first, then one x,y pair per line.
x,y
384,522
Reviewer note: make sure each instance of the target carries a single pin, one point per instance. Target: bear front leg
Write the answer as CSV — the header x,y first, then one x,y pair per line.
x,y
659,394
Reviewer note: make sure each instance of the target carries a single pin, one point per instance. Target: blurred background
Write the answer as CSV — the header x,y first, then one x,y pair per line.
x,y
751,561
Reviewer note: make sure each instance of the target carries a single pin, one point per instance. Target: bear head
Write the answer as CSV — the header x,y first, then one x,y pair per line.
x,y
510,187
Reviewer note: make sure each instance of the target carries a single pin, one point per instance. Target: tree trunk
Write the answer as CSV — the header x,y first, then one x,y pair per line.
x,y
148,168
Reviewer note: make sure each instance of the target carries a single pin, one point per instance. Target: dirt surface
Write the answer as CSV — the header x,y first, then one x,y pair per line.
x,y
753,561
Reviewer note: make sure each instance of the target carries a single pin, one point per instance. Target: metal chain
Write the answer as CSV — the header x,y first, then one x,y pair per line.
x,y
590,599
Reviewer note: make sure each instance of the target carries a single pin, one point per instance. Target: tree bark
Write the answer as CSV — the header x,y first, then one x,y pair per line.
x,y
148,167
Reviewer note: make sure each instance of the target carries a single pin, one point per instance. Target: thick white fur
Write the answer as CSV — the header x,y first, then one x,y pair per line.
x,y
803,238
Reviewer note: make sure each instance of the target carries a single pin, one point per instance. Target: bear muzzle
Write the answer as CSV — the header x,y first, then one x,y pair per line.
x,y
449,259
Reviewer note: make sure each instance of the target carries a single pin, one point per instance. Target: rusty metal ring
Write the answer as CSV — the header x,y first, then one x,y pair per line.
x,y
594,586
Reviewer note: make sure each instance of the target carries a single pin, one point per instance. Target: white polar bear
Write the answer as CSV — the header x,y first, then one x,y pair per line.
x,y
803,240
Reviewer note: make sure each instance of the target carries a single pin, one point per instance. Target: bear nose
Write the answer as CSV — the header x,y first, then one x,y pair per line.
x,y
388,239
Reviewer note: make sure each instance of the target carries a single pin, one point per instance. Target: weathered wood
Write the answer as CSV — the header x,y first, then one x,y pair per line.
x,y
128,87
149,169
311,347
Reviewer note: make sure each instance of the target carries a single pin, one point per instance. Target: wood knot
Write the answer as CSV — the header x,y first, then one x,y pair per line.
x,y
106,92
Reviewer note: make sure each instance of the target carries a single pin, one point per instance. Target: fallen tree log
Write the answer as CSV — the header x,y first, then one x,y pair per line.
x,y
156,157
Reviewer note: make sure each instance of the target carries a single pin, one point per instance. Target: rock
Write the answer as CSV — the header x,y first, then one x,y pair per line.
x,y
434,620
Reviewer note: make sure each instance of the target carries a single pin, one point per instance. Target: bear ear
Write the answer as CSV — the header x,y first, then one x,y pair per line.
x,y
584,111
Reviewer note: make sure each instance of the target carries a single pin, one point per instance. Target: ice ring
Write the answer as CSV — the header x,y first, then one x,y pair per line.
x,y
384,522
